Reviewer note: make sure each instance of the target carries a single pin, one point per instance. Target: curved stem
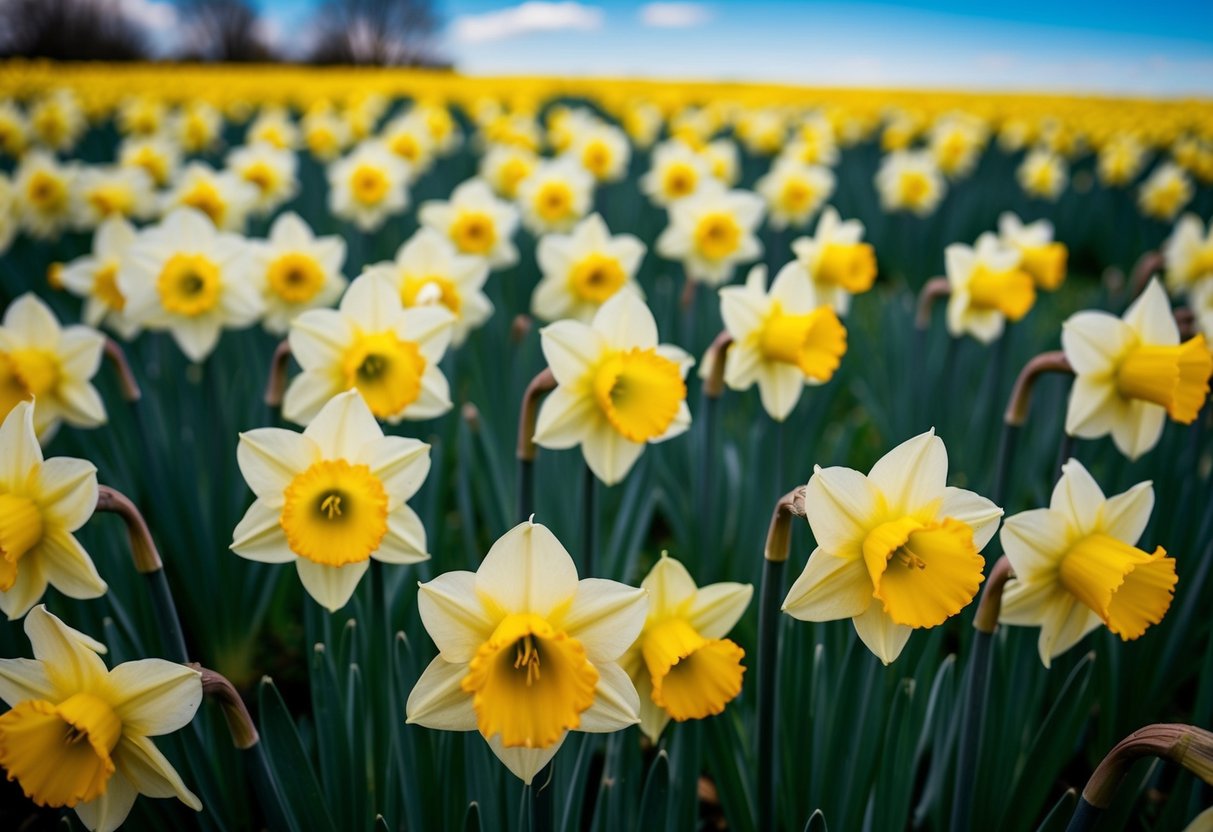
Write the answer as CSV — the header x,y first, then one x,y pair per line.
x,y
540,386
126,377
933,290
275,386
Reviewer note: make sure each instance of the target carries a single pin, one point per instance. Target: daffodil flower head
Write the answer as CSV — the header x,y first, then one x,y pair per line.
x,y
43,189
988,288
1188,253
506,167
794,191
296,271
1165,192
476,222
1077,564
603,150
584,269
617,387
222,196
909,180
555,196
102,192
373,344
79,735
526,651
1043,174
782,339
834,261
712,231
39,358
897,549
682,664
1039,254
273,171
1131,373
368,185
331,498
677,172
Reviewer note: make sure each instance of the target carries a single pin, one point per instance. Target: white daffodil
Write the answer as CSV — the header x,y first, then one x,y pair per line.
x,y
583,269
99,193
187,278
14,130
682,664
141,115
54,365
331,498
555,196
897,548
526,651
368,185
617,388
43,190
408,137
325,134
1131,373
1043,174
1165,192
713,231
159,157
723,160
41,503
274,126
1120,160
442,126
477,223
505,167
271,170
834,261
9,219
57,120
603,150
67,691
988,288
813,142
782,339
373,344
675,173
222,196
643,121
1188,253
1039,254
428,271
794,192
94,277
1200,297
956,142
196,126
1076,565
295,271
909,180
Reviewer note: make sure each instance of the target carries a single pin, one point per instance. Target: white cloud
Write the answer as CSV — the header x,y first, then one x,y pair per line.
x,y
157,16
674,15
524,19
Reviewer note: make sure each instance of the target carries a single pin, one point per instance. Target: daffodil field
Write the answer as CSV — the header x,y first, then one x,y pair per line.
x,y
386,449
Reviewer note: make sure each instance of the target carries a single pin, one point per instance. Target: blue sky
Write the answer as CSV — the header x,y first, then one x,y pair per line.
x,y
1060,45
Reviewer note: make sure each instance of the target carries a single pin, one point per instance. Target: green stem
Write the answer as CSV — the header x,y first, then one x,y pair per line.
x,y
768,650
1007,442
1085,817
589,522
972,716
166,615
526,489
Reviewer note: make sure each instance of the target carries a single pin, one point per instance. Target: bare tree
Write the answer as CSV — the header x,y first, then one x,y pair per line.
x,y
377,32
66,30
223,30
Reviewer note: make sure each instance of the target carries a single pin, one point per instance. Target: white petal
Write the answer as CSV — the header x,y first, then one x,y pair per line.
x,y
1035,541
527,570
453,615
571,349
26,591
606,617
616,703
841,506
881,634
1078,497
1125,516
67,566
319,337
24,679
779,387
150,772
307,395
109,811
608,454
259,535
524,763
67,491
330,586
154,696
1094,341
438,701
1151,316
564,418
404,542
669,584
20,443
400,464
1141,428
830,588
343,426
270,458
1068,622
912,475
71,663
980,514
625,321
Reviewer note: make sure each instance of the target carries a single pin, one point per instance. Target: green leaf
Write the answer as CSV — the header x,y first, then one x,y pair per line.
x,y
289,765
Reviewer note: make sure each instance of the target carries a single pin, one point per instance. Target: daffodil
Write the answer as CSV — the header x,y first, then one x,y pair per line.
x,y
331,498
642,121
14,130
368,185
988,288
505,167
8,213
1188,252
682,664
408,137
909,180
724,162
1039,254
94,277
1043,174
41,360
526,651
1201,299
834,261
141,115
295,271
1077,564
196,126
617,388
57,120
897,549
603,150
99,193
43,190
583,269
782,339
794,192
273,126
187,278
1165,192
442,126
476,222
956,142
373,344
1120,161
272,171
712,232
79,735
222,196
814,142
676,173
325,134
1131,373
555,196
156,155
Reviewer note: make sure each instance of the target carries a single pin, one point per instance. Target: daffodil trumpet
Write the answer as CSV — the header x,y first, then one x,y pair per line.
x,y
542,384
148,563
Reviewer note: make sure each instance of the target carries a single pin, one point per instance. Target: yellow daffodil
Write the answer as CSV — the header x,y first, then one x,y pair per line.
x,y
1077,564
94,277
712,231
222,196
373,344
331,498
1131,373
897,549
476,222
55,365
583,269
368,185
505,167
185,277
272,171
1039,254
909,180
1043,174
555,196
794,192
526,651
41,503
99,193
1165,192
156,155
682,664
834,261
617,388
603,151
428,271
676,173
79,735
295,271
988,288
1120,161
43,190
1189,254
